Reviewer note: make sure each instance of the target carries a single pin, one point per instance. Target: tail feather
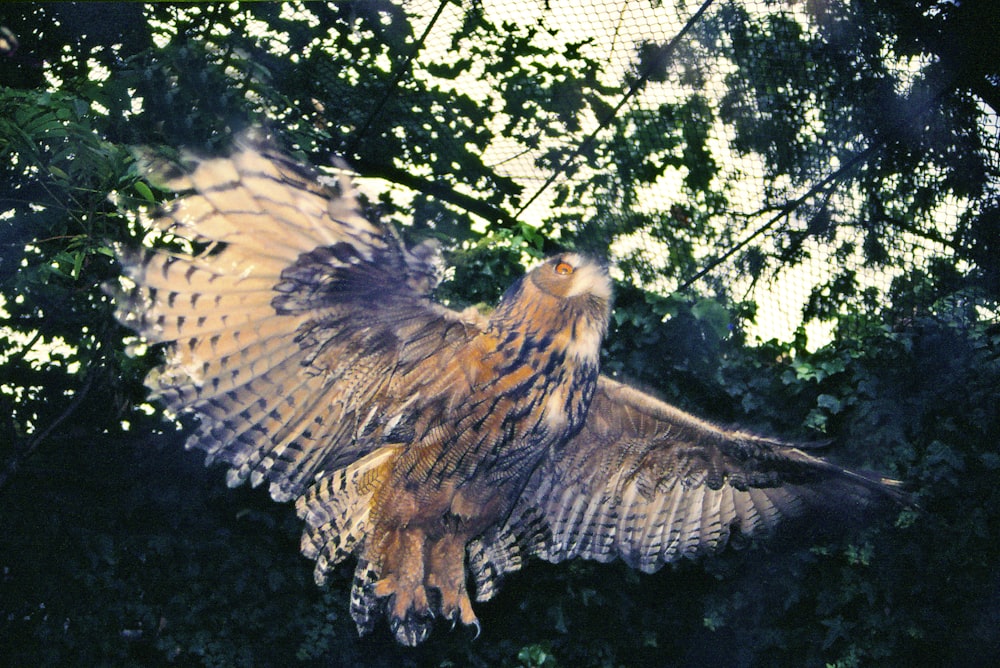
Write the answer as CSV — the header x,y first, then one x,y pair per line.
x,y
505,550
366,607
337,507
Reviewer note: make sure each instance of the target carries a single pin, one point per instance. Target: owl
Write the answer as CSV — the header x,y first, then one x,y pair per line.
x,y
441,449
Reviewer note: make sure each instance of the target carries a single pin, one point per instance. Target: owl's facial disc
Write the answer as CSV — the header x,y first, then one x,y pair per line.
x,y
569,275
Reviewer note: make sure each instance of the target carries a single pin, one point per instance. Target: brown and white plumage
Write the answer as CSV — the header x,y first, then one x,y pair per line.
x,y
426,442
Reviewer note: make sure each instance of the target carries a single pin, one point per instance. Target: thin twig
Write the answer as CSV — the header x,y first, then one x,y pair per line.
x,y
397,76
21,455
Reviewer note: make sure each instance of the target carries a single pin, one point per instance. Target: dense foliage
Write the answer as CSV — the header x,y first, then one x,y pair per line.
x,y
119,548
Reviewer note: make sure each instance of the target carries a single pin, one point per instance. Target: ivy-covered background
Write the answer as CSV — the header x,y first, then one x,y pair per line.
x,y
801,201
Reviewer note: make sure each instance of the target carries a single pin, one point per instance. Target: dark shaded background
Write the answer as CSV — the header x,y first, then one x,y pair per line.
x,y
119,548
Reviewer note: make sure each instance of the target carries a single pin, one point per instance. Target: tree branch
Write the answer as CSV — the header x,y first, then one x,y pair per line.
x,y
437,189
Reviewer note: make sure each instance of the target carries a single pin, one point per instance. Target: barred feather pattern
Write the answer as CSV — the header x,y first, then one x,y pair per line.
x,y
428,443
285,328
337,508
365,606
649,484
506,549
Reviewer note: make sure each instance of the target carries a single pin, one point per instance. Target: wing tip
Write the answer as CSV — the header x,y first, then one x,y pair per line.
x,y
899,492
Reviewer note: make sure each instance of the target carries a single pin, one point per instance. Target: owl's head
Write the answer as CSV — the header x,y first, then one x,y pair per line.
x,y
571,275
568,291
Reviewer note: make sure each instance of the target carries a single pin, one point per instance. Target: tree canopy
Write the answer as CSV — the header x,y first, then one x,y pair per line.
x,y
831,163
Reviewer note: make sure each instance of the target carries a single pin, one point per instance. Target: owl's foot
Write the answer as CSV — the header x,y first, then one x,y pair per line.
x,y
446,574
402,586
422,578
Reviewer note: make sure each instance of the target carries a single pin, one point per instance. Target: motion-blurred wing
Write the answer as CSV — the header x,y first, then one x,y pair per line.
x,y
648,483
298,329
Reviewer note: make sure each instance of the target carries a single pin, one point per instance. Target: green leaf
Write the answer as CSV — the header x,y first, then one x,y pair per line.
x,y
714,314
829,402
145,192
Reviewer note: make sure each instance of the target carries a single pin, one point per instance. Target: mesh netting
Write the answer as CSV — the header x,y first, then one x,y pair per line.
x,y
783,220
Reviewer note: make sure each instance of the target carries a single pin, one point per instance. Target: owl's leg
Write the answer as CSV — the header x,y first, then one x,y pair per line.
x,y
446,573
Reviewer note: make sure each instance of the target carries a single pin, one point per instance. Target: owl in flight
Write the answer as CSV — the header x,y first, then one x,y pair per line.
x,y
431,444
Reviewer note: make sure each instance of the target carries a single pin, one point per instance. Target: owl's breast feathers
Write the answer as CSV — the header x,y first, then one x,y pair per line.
x,y
519,388
304,338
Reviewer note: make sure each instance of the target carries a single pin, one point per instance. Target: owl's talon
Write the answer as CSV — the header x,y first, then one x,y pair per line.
x,y
412,629
403,601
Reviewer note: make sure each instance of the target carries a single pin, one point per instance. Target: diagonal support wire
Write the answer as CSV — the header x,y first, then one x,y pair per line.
x,y
656,63
827,182
786,209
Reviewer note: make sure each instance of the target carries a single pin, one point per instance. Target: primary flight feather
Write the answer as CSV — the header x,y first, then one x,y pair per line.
x,y
431,444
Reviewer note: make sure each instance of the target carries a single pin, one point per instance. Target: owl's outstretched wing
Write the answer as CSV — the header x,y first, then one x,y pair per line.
x,y
648,483
298,330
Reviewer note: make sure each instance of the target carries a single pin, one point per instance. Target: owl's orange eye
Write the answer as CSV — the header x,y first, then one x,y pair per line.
x,y
564,268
